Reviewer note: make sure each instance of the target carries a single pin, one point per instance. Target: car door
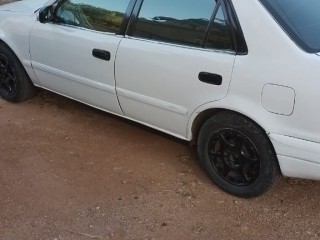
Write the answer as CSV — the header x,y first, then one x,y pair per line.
x,y
177,56
74,54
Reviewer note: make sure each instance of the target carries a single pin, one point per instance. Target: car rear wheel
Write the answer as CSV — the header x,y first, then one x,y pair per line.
x,y
237,155
15,85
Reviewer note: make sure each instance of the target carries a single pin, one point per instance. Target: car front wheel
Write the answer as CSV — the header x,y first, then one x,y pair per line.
x,y
15,85
237,155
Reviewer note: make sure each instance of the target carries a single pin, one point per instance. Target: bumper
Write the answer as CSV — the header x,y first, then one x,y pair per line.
x,y
297,158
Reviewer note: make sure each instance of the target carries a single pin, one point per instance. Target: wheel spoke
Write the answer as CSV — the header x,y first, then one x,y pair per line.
x,y
234,142
2,79
11,77
251,160
234,157
2,72
7,76
7,84
218,160
239,144
216,149
215,153
227,173
4,67
236,176
225,142
245,172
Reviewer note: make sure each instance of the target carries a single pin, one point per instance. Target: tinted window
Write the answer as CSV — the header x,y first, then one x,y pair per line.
x,y
219,35
99,15
301,20
179,21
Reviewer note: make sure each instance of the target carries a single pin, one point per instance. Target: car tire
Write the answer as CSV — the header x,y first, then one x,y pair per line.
x,y
237,155
15,84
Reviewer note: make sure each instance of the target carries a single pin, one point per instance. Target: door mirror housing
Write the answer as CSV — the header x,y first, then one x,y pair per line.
x,y
46,14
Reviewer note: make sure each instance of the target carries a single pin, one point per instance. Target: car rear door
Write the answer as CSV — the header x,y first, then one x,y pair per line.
x,y
176,56
74,54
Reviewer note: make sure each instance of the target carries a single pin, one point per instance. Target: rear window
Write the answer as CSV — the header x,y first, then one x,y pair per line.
x,y
300,19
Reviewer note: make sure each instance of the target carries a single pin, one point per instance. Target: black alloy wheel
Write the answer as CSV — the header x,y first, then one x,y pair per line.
x,y
237,154
15,84
234,157
8,78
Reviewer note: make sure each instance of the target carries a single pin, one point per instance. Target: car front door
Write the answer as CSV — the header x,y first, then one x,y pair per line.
x,y
177,56
74,54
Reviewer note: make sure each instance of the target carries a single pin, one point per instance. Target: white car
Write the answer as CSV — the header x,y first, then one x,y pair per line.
x,y
240,78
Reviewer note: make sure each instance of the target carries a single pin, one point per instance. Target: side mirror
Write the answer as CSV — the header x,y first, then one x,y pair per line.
x,y
46,14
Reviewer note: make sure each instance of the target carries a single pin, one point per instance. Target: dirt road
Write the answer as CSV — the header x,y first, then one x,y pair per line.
x,y
71,172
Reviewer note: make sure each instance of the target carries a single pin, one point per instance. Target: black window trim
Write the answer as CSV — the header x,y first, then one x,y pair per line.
x,y
133,17
221,4
238,41
127,17
240,44
213,16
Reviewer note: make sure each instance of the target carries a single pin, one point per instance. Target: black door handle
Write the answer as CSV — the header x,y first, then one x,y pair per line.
x,y
210,78
101,54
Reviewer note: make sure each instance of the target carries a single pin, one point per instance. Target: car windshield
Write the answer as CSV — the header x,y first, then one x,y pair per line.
x,y
300,19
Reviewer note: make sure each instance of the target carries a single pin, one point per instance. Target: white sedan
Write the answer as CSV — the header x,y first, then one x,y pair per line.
x,y
239,78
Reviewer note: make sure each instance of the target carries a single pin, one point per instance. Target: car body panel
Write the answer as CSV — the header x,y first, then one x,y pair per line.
x,y
278,99
282,63
152,84
298,157
18,41
77,73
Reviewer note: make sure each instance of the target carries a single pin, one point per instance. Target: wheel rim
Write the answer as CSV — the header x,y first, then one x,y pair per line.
x,y
8,80
234,157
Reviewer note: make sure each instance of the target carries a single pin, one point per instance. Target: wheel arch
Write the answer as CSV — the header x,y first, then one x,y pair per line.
x,y
202,116
26,66
17,85
9,47
14,53
204,112
199,120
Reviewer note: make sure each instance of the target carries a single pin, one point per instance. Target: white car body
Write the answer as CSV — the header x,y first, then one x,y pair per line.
x,y
280,97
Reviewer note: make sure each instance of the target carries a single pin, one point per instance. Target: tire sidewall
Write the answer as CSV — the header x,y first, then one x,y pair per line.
x,y
20,74
268,162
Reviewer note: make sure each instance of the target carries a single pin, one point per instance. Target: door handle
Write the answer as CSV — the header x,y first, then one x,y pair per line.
x,y
210,78
101,54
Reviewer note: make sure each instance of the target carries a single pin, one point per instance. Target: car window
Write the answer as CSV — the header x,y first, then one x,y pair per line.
x,y
300,19
219,35
105,16
180,21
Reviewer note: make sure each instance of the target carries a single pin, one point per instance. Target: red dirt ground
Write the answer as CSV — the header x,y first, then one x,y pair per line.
x,y
68,171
